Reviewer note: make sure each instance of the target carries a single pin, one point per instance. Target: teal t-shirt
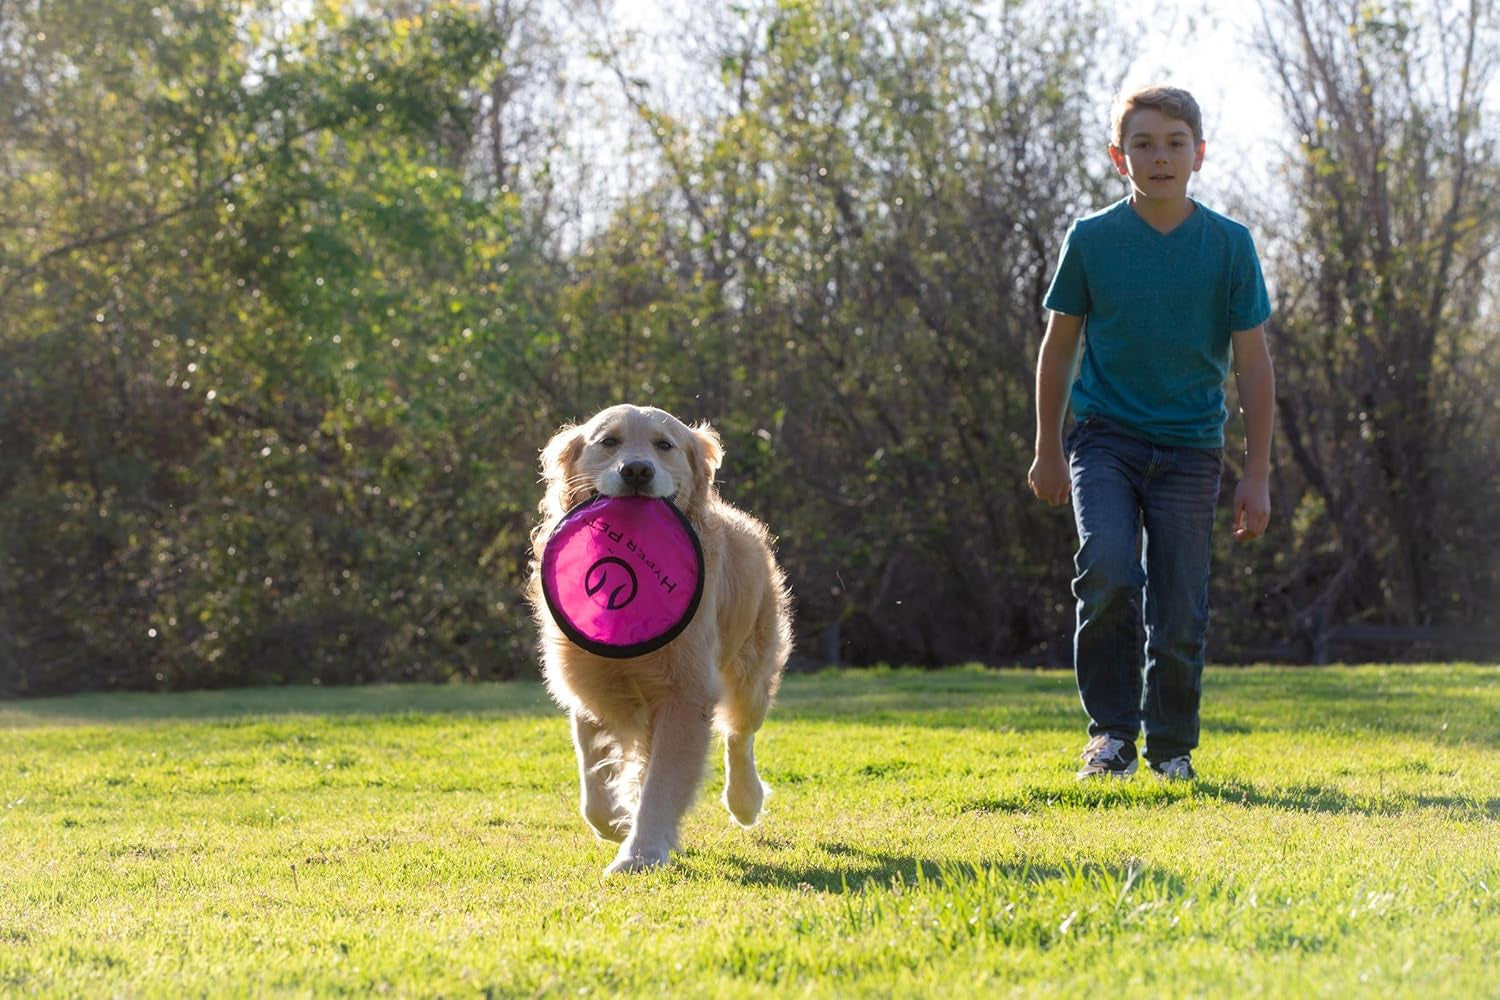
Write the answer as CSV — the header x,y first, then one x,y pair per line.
x,y
1158,313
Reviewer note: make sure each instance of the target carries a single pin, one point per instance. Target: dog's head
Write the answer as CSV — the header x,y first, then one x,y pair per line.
x,y
630,450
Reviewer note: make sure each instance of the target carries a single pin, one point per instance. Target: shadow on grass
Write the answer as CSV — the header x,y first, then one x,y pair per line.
x,y
852,869
381,700
1319,799
855,870
1295,798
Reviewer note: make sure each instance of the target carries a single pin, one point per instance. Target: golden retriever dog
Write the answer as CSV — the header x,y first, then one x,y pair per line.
x,y
642,726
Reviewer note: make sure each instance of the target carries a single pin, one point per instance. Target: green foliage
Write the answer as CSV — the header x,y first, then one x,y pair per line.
x,y
285,315
925,830
253,319
842,267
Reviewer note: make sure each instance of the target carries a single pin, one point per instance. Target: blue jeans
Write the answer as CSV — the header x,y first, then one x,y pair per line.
x,y
1145,516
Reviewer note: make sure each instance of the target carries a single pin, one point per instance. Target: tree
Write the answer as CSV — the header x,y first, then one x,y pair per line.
x,y
841,263
253,319
1386,330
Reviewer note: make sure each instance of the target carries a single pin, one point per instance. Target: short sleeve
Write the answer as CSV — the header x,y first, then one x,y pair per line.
x,y
1249,303
1069,291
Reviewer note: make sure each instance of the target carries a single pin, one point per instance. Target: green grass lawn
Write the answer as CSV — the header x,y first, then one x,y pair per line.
x,y
925,838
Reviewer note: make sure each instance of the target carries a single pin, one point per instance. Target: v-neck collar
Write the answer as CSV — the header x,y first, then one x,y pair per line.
x,y
1176,230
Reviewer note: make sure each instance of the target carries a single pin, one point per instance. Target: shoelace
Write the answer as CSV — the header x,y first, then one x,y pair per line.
x,y
1177,767
1102,747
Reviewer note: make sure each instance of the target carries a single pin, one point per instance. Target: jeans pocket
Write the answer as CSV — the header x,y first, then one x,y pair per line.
x,y
1211,458
1070,443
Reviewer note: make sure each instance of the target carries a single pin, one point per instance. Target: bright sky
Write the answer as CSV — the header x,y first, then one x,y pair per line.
x,y
1202,45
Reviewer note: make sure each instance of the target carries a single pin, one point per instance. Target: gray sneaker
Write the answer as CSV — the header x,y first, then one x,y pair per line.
x,y
1176,769
1108,756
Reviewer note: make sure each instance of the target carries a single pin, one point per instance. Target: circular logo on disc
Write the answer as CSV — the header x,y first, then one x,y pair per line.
x,y
611,583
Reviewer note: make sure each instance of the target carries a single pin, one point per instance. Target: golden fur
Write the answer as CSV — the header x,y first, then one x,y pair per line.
x,y
642,726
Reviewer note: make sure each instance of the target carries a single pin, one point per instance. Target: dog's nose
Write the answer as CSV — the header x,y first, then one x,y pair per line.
x,y
637,475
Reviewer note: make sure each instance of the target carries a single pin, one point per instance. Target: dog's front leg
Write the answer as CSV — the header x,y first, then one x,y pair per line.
x,y
679,748
598,766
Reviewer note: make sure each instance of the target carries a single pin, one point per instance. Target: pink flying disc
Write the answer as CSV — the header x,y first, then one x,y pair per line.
x,y
623,576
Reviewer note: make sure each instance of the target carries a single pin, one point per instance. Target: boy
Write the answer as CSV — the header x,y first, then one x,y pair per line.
x,y
1160,292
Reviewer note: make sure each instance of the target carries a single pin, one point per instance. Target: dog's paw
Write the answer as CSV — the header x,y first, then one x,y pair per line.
x,y
744,800
612,826
615,833
638,858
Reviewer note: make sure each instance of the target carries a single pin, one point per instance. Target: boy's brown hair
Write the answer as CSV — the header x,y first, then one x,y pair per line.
x,y
1174,102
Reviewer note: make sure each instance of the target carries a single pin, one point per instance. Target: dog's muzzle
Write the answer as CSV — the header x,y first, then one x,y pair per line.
x,y
637,475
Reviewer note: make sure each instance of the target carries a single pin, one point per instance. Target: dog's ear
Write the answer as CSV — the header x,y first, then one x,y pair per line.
x,y
709,456
559,458
560,453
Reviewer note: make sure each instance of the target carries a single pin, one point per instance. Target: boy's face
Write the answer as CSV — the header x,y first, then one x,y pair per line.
x,y
1159,155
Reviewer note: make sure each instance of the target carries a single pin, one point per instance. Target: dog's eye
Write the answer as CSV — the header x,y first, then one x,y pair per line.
x,y
664,445
609,442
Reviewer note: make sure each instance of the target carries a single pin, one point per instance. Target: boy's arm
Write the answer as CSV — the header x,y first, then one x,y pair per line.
x,y
1048,477
1256,381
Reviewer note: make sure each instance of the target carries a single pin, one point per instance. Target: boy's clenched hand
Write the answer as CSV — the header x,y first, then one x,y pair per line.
x,y
1252,508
